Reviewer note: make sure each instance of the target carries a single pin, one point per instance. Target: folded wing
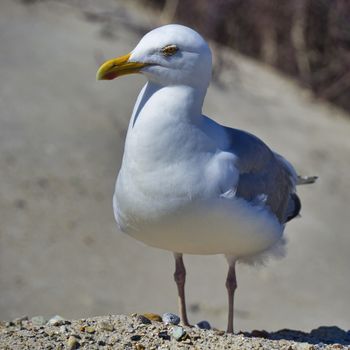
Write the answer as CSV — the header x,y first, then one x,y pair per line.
x,y
266,178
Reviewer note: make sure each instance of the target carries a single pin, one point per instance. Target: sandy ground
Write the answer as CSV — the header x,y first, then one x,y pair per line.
x,y
61,140
138,332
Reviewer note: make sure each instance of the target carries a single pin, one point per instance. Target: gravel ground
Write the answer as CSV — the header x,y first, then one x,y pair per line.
x,y
61,143
149,332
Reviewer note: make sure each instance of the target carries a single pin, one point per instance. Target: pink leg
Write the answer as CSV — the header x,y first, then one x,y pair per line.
x,y
231,285
180,277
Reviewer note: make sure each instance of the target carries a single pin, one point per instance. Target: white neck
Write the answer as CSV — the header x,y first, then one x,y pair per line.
x,y
177,102
160,122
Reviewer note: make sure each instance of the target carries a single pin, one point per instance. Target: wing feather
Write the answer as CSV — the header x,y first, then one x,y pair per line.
x,y
263,174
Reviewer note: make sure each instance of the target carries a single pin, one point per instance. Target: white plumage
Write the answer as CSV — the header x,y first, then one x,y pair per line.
x,y
188,184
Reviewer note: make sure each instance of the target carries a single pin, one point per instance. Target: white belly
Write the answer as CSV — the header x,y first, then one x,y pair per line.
x,y
169,195
226,226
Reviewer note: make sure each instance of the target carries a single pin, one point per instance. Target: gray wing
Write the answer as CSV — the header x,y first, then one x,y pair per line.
x,y
266,178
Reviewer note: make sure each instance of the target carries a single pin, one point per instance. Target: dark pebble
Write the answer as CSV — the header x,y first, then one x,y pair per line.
x,y
135,337
164,335
203,325
143,319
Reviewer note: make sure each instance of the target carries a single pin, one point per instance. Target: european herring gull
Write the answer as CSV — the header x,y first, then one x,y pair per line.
x,y
188,184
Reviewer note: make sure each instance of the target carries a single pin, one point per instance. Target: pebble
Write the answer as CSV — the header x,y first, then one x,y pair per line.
x,y
169,318
164,335
56,321
143,319
178,333
72,343
153,317
219,332
38,321
135,337
90,329
131,330
203,325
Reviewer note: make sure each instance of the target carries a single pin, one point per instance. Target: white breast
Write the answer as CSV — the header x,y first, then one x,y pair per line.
x,y
169,189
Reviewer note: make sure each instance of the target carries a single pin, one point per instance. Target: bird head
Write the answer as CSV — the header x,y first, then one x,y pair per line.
x,y
168,55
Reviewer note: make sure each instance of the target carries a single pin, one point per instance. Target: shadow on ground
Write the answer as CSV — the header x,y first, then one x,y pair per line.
x,y
324,334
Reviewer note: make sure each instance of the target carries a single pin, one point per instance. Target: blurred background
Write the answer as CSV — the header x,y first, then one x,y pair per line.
x,y
281,72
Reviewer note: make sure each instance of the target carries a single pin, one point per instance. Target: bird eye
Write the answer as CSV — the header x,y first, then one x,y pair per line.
x,y
169,50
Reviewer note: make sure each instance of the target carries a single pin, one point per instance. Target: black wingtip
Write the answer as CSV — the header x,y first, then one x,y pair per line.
x,y
297,207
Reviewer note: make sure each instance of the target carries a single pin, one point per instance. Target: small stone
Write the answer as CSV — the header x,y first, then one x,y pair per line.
x,y
164,335
139,347
153,317
101,342
203,325
220,332
56,321
135,337
178,333
143,319
72,343
131,330
38,321
90,329
107,326
169,318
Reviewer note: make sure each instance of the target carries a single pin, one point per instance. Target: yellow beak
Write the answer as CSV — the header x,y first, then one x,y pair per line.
x,y
117,67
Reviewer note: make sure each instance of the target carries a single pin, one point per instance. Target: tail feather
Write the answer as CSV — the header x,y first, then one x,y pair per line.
x,y
305,180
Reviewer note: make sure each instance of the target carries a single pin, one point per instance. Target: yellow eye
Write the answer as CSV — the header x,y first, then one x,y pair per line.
x,y
169,50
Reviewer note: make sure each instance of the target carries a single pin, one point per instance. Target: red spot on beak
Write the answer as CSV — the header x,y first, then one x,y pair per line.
x,y
110,75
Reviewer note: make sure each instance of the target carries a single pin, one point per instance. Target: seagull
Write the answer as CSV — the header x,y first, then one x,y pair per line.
x,y
187,184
